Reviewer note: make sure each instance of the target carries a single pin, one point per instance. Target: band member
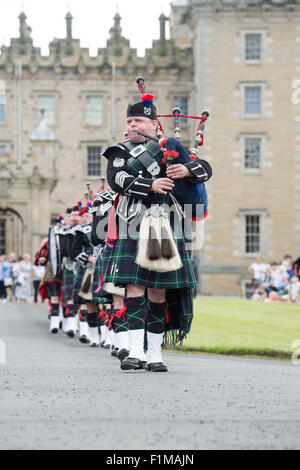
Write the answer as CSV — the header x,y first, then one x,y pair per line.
x,y
50,286
152,263
81,251
69,308
108,295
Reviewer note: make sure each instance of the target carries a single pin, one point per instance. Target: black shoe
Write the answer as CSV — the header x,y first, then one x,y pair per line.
x,y
131,363
71,333
54,330
94,345
84,339
122,353
157,367
106,346
143,365
102,343
114,352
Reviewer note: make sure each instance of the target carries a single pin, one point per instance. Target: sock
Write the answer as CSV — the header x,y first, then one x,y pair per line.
x,y
68,311
156,314
54,310
92,319
83,315
135,312
120,321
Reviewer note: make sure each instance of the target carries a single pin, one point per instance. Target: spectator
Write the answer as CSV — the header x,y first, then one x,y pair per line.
x,y
7,276
37,274
287,262
256,291
258,270
23,288
294,290
296,268
2,287
14,270
277,282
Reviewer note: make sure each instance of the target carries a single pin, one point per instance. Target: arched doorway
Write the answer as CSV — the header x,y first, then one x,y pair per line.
x,y
11,232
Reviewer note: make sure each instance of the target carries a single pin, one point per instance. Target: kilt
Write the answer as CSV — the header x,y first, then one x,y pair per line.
x,y
77,284
180,315
49,289
67,284
121,268
99,295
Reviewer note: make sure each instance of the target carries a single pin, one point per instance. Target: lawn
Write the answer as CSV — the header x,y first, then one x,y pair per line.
x,y
237,326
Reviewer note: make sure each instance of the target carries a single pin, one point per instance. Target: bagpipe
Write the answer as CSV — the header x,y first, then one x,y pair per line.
x,y
175,153
157,249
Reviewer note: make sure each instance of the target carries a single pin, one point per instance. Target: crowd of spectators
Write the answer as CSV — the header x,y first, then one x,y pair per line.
x,y
275,281
19,278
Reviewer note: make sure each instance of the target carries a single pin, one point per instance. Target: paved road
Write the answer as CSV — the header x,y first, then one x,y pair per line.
x,y
56,393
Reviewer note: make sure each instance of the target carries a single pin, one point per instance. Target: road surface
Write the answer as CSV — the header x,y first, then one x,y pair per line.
x,y
57,393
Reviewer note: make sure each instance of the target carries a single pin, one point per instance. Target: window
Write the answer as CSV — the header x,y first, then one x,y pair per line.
x,y
46,105
94,161
2,237
252,101
2,149
181,103
252,233
252,156
253,47
94,110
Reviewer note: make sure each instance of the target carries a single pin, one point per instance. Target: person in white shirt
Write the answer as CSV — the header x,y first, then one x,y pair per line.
x,y
38,273
258,270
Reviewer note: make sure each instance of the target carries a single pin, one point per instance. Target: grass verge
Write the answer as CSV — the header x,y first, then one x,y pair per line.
x,y
241,327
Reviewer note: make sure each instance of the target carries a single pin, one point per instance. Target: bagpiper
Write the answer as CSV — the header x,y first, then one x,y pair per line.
x,y
69,307
147,256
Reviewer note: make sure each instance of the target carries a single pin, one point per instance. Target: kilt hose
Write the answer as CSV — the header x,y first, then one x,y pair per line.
x,y
118,321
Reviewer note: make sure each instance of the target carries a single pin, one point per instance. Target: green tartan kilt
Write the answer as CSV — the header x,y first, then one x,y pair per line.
x,y
77,284
67,284
52,289
99,297
121,268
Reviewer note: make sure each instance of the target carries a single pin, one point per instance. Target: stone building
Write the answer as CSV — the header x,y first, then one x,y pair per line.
x,y
246,63
58,112
238,58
